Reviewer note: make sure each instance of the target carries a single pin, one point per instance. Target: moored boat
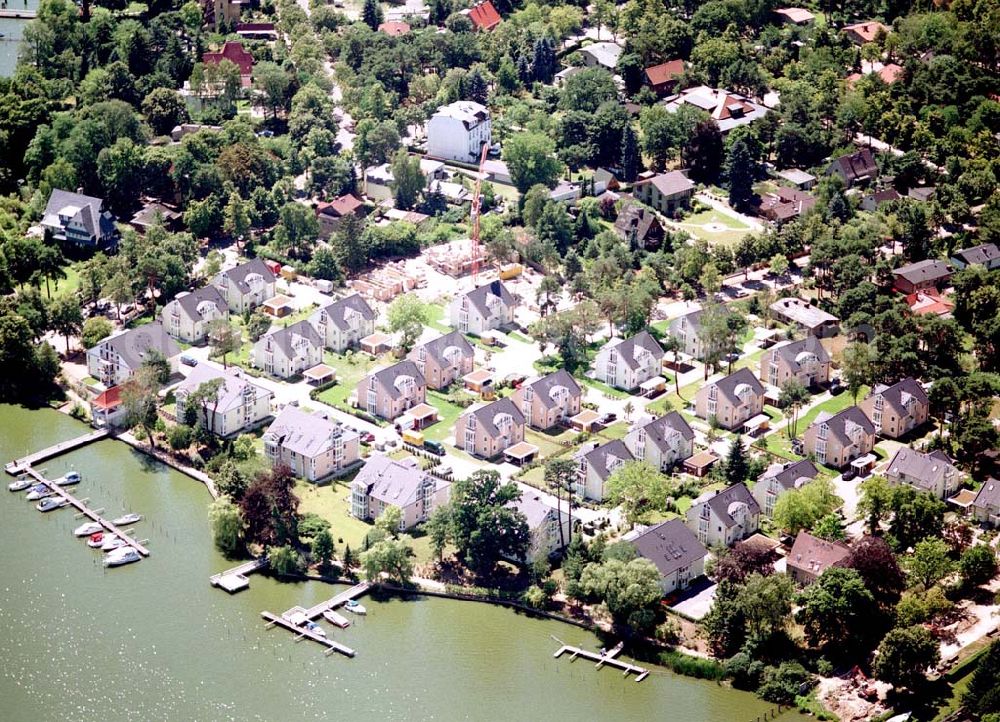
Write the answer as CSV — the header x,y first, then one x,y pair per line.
x,y
130,518
51,503
333,618
315,628
124,555
38,491
353,606
112,542
20,484
73,477
96,541
91,527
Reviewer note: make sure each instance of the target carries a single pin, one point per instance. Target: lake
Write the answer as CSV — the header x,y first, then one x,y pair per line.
x,y
12,31
154,641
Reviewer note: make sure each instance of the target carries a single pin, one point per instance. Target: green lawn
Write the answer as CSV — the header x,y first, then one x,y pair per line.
x,y
351,368
436,318
548,446
833,405
727,230
448,413
603,387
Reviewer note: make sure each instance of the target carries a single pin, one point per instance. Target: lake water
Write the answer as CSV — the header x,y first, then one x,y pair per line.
x,y
154,641
13,31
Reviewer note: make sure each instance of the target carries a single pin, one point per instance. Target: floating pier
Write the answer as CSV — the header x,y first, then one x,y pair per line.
x,y
236,579
23,465
18,14
303,633
295,618
608,658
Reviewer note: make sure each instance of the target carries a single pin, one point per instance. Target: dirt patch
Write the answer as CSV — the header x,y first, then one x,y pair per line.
x,y
843,698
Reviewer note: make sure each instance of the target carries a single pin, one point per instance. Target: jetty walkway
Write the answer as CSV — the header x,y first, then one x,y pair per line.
x,y
22,465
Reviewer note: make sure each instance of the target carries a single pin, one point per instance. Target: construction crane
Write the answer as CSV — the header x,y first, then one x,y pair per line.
x,y
477,200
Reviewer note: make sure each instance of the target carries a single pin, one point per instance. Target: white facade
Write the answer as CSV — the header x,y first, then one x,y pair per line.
x,y
288,351
242,405
188,327
458,131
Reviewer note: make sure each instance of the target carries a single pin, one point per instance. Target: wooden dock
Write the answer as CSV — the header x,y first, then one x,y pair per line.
x,y
608,658
294,619
88,512
338,600
236,579
7,13
20,466
302,633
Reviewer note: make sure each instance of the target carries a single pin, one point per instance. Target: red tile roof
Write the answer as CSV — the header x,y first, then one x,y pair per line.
x,y
925,303
109,400
866,32
233,52
339,207
394,28
484,16
665,72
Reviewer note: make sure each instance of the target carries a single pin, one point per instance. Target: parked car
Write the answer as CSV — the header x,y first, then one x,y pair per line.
x,y
435,447
849,474
608,418
836,388
732,357
189,360
367,437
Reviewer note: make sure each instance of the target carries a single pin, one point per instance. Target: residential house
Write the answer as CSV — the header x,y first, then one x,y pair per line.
x,y
888,73
256,31
806,317
604,54
729,110
486,431
156,214
687,329
639,226
482,309
458,131
550,400
864,33
985,254
484,16
344,322
544,522
331,214
383,482
811,556
779,478
234,52
313,446
188,315
676,552
986,507
898,409
857,168
107,409
394,28
288,351
240,404
732,400
923,194
246,286
839,439
379,178
785,204
183,130
661,442
722,518
806,361
389,392
114,360
795,16
629,363
872,200
923,303
444,360
219,12
79,219
929,275
798,178
663,78
933,472
666,192
595,464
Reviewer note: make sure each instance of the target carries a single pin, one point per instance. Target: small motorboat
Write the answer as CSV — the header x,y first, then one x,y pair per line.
x,y
69,479
353,606
96,541
333,618
124,555
21,484
51,503
38,491
88,529
315,628
112,542
124,519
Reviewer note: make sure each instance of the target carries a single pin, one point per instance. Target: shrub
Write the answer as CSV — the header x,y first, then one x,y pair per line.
x,y
690,666
285,560
179,437
782,684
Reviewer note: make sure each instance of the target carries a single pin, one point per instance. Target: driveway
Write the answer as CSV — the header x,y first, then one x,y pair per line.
x,y
698,601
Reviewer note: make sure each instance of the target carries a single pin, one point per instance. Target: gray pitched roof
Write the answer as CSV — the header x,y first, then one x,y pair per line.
x,y
929,270
477,296
89,212
860,164
989,495
535,510
813,555
719,502
337,311
983,254
234,385
307,434
543,387
670,545
792,351
436,347
642,340
729,385
387,377
284,337
928,469
599,458
135,345
898,394
838,423
238,275
393,482
189,302
791,475
486,414
657,430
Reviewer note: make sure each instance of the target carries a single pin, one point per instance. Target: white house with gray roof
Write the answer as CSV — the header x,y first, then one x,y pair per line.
x,y
662,442
285,352
691,338
604,54
390,392
444,360
595,464
722,518
986,506
188,315
628,363
732,400
804,360
344,322
482,309
79,219
458,131
487,431
675,550
115,359
839,439
934,472
549,400
780,478
384,482
240,405
246,286
543,521
985,254
898,409
311,445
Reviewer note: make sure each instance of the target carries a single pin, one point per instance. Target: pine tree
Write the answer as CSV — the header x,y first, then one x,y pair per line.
x,y
524,70
474,87
629,155
739,168
736,462
371,14
544,61
439,11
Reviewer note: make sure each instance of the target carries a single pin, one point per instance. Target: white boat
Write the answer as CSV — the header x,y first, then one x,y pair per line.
x,y
38,491
51,503
91,527
96,541
118,557
69,479
130,518
315,628
333,618
112,542
21,484
353,606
